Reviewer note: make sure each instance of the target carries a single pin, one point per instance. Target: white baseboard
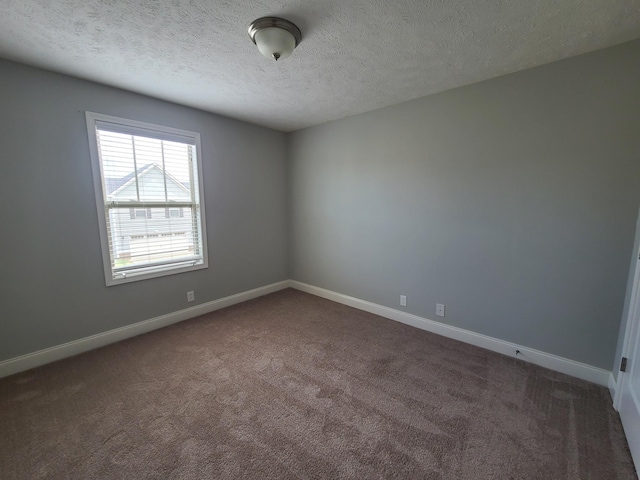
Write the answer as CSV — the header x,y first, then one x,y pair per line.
x,y
547,360
552,362
613,387
48,355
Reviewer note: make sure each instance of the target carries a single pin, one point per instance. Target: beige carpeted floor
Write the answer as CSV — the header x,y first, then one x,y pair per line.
x,y
291,386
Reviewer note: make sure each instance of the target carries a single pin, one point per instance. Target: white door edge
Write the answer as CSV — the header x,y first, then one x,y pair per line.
x,y
634,304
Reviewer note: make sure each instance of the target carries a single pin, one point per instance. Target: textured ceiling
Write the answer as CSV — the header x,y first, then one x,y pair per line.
x,y
355,55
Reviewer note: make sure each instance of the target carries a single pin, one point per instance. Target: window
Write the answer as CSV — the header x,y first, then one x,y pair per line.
x,y
173,212
140,213
148,182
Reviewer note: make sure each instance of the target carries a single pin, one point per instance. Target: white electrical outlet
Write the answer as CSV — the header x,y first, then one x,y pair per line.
x,y
403,300
440,309
190,296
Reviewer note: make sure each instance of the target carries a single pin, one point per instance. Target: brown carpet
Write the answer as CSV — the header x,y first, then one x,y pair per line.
x,y
291,386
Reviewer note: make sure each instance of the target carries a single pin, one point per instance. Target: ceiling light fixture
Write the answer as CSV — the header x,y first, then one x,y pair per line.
x,y
275,37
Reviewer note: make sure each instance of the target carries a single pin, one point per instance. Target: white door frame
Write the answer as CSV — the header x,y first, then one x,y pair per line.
x,y
626,401
632,316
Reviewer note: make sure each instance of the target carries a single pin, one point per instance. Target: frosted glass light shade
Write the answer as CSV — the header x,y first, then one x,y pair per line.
x,y
275,37
275,42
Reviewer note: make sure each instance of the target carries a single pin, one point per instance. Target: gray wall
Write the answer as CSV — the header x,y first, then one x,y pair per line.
x,y
512,201
51,280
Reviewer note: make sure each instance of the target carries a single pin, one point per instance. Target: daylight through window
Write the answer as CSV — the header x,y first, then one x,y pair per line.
x,y
148,187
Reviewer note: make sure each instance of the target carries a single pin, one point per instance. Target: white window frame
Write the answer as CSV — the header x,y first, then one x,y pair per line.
x,y
155,131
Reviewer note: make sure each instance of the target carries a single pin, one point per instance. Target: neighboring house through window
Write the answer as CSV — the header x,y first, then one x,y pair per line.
x,y
149,194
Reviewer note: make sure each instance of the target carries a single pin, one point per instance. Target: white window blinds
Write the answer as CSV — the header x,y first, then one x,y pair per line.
x,y
149,193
